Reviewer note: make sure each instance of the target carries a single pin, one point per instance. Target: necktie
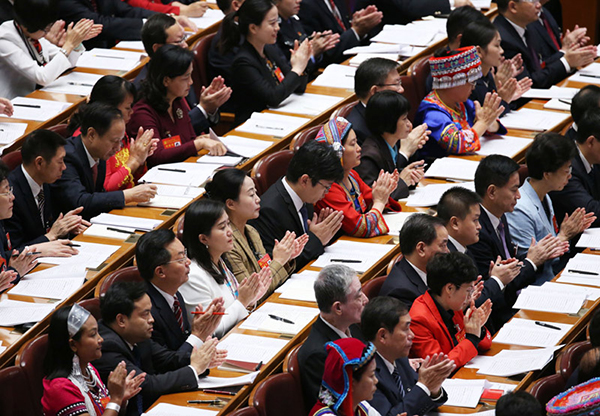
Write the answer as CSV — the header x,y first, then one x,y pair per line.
x,y
549,30
398,380
177,312
94,5
95,174
41,202
304,213
502,235
137,360
337,15
532,52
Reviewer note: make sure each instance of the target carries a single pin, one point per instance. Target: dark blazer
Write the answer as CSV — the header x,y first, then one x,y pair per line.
x,y
546,47
278,215
119,20
582,190
571,133
6,11
375,156
75,188
401,12
554,70
387,399
25,226
166,371
359,123
254,88
291,30
166,328
484,85
403,283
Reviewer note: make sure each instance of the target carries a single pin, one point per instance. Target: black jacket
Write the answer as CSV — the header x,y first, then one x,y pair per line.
x,y
403,283
166,328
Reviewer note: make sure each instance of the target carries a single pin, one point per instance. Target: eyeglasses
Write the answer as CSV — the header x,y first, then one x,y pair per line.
x,y
530,1
327,188
181,260
393,84
9,193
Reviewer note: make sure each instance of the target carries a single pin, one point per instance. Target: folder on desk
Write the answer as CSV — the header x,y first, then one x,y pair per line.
x,y
527,333
9,132
536,120
509,363
181,174
558,104
544,299
244,146
503,145
35,109
429,195
462,392
246,352
142,224
452,168
162,201
293,318
336,76
588,75
219,161
590,238
91,255
110,59
552,92
13,312
309,104
270,124
100,230
354,254
136,45
77,83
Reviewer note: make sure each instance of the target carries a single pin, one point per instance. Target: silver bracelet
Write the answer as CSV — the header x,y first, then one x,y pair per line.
x,y
64,52
113,406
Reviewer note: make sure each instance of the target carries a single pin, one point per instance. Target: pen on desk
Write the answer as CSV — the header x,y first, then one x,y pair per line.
x,y
279,318
547,325
269,127
564,101
119,230
80,83
31,253
258,366
73,245
590,75
214,313
27,105
582,272
211,391
106,56
345,261
173,170
213,402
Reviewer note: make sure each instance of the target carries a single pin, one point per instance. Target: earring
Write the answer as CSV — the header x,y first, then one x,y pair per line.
x,y
206,246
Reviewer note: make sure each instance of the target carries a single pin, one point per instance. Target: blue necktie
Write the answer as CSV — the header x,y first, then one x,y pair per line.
x,y
398,380
304,213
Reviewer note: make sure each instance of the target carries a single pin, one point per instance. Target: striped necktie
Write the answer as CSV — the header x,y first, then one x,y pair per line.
x,y
177,312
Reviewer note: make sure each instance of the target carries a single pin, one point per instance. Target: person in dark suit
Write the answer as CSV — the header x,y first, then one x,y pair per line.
x,y
422,237
163,263
402,12
320,16
33,222
126,328
7,11
341,301
400,388
287,205
586,98
82,182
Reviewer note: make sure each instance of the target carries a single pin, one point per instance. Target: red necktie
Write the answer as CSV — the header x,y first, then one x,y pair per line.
x,y
550,31
177,312
337,14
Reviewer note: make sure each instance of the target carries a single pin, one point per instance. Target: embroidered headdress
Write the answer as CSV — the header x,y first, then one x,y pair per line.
x,y
333,133
454,70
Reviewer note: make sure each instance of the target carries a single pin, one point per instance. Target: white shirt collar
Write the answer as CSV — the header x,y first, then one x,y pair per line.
x,y
586,164
298,203
458,245
493,219
520,30
91,160
336,330
33,185
169,298
420,272
574,126
388,365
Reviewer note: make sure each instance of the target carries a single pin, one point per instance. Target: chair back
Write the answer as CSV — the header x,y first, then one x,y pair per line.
x,y
393,263
15,398
92,306
291,365
13,159
178,227
523,173
279,394
126,274
372,287
303,137
61,129
570,358
420,71
343,111
30,358
547,387
245,411
270,168
200,74
412,94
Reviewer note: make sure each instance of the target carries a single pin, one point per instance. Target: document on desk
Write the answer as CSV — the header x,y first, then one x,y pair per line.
x,y
462,392
211,382
250,349
417,34
91,255
590,238
219,161
300,293
429,195
529,334
36,109
142,224
47,288
99,230
271,124
536,120
377,48
336,76
305,278
358,59
76,83
244,146
14,312
482,4
452,168
59,272
181,173
558,104
136,45
588,75
536,298
509,363
553,92
280,318
162,201
167,409
179,191
503,145
354,254
479,361
583,269
210,17
395,221
111,59
590,293
9,132
309,104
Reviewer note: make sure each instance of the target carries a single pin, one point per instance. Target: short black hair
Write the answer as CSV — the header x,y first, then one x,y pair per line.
x,y
586,98
224,5
4,171
100,116
459,18
120,298
503,5
455,268
381,312
479,33
594,329
373,71
155,31
494,170
548,153
151,251
417,228
44,143
456,202
519,403
317,160
589,125
36,15
589,366
383,111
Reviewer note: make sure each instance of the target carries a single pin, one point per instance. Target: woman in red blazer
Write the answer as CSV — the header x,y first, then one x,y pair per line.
x,y
438,320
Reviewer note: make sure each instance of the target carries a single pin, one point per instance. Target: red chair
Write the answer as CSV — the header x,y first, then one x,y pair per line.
x,y
412,94
126,274
200,74
270,168
92,306
290,364
343,111
372,287
523,174
393,263
569,360
245,411
15,398
60,129
178,227
30,358
547,387
13,159
303,137
279,394
420,71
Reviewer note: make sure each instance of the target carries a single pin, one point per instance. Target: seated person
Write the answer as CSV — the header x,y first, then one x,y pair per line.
x,y
6,11
519,403
288,204
372,76
263,77
72,385
348,381
27,58
586,99
422,237
219,61
341,301
400,388
402,12
438,320
236,190
207,236
387,120
594,338
163,108
163,264
33,221
362,206
125,168
82,182
126,328
549,165
589,366
456,123
196,9
485,37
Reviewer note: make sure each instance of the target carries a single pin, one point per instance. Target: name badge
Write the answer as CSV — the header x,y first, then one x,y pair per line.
x,y
171,142
264,261
279,74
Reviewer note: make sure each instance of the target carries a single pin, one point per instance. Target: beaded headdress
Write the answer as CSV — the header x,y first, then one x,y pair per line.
x,y
76,319
457,69
333,133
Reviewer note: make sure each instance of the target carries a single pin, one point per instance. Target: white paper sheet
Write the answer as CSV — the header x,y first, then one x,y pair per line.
x,y
244,146
136,45
211,16
536,120
376,48
142,224
301,316
512,362
502,145
482,4
310,104
36,109
91,255
58,272
356,255
13,312
211,382
525,332
167,409
47,288
270,124
558,104
453,168
478,361
111,59
77,83
9,132
161,201
552,92
589,292
99,230
589,75
587,263
336,76
182,174
358,59
220,160
429,195
251,348
306,278
536,298
590,238
395,221
180,191
463,393
413,34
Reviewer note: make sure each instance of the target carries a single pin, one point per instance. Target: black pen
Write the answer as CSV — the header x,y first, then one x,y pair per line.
x,y
547,325
27,105
269,127
564,101
279,318
106,56
345,261
258,366
582,272
31,253
118,230
73,245
80,83
173,170
590,75
213,402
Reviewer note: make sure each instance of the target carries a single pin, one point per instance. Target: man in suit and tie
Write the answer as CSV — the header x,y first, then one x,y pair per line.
x,y
400,388
586,98
402,12
422,237
163,263
341,301
126,328
518,37
33,222
288,204
82,182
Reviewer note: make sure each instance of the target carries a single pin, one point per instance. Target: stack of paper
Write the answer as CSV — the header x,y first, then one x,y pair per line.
x,y
395,221
463,393
111,59
56,288
220,160
310,104
142,224
588,75
356,255
358,59
160,201
512,362
536,120
211,382
244,146
422,33
429,195
78,83
376,48
14,312
590,238
91,255
590,293
36,109
530,334
336,76
299,286
558,104
270,124
59,272
545,299
182,174
482,4
211,16
583,269
167,409
179,191
280,318
452,168
250,349
502,145
99,230
9,132
553,92
136,45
